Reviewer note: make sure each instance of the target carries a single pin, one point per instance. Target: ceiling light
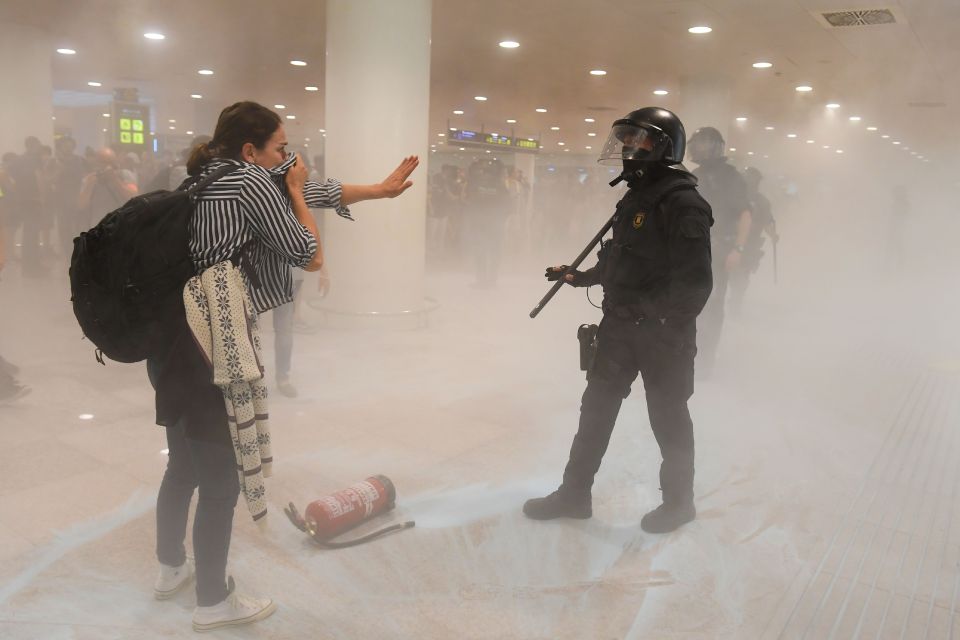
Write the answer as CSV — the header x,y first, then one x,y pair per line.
x,y
511,121
105,115
152,35
171,121
291,117
809,141
322,130
86,416
67,52
826,146
195,96
598,72
833,105
458,112
298,63
94,84
749,153
660,92
541,110
205,72
441,134
733,149
104,130
700,29
462,149
279,106
189,133
588,147
172,128
768,128
804,88
896,142
855,118
561,143
509,44
592,134
312,88
554,128
884,136
839,150
791,135
871,128
762,65
480,98
741,119
454,129
589,120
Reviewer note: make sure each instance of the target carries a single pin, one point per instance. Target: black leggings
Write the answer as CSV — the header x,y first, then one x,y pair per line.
x,y
212,467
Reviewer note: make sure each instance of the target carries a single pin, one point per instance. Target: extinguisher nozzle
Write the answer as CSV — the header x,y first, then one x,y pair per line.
x,y
295,517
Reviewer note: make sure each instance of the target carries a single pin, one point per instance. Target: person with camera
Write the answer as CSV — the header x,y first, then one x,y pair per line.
x,y
104,189
257,214
656,277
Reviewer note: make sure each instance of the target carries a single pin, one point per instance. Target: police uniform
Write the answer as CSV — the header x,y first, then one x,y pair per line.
x,y
656,277
726,191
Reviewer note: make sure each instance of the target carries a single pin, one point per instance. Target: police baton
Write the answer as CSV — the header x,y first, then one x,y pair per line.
x,y
576,263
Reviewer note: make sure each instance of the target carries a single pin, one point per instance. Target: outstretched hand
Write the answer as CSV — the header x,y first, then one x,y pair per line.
x,y
396,183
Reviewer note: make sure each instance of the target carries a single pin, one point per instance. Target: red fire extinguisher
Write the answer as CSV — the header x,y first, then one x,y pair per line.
x,y
338,512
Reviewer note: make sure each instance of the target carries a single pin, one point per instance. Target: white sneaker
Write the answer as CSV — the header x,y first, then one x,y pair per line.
x,y
173,579
237,609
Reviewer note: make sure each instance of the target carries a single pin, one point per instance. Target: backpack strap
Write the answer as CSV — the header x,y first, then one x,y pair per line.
x,y
204,182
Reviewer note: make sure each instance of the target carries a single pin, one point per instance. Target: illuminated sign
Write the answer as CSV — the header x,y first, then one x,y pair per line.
x,y
473,138
130,122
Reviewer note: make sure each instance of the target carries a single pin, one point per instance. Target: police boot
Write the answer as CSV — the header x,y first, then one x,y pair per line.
x,y
561,503
668,517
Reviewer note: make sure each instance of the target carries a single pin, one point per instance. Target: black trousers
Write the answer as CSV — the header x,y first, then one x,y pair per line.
x,y
211,467
664,358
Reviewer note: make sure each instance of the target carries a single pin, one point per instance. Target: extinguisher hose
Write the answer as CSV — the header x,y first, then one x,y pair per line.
x,y
329,544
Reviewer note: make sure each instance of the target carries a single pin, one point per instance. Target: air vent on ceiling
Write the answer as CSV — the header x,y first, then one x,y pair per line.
x,y
859,17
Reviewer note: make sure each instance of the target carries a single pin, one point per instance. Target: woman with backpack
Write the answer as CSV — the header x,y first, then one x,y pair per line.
x,y
257,215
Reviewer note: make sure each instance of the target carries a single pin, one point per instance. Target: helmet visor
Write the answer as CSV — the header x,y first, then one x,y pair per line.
x,y
629,142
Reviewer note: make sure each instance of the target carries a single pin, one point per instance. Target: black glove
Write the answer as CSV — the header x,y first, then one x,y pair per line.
x,y
553,274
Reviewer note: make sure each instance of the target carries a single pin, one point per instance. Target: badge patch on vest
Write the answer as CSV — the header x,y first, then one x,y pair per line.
x,y
638,220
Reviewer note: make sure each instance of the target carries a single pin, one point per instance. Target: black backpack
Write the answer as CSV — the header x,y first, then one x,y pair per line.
x,y
127,273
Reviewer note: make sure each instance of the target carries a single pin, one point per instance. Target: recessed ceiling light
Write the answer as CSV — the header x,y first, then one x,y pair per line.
x,y
172,121
733,148
561,143
312,88
86,416
700,29
67,52
457,112
768,128
453,128
172,128
804,88
660,92
541,110
833,105
588,147
741,119
104,130
195,96
511,121
896,142
592,134
480,98
279,106
589,120
462,149
94,84
885,136
441,134
189,133
205,72
871,128
298,63
291,117
762,65
855,118
749,153
810,141
322,130
509,44
598,72
554,128
839,150
153,35
105,115
791,135
826,146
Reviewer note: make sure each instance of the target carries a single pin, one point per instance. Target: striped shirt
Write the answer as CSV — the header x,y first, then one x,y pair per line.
x,y
252,204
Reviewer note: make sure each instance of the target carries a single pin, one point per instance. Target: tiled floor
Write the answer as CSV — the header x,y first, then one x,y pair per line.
x,y
826,481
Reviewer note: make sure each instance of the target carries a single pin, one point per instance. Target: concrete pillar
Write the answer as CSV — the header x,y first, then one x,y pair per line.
x,y
377,112
27,105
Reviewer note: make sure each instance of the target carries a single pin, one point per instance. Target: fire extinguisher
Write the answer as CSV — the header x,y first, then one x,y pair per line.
x,y
339,512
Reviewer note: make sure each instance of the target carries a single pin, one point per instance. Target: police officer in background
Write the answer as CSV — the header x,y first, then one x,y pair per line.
x,y
656,277
761,221
724,188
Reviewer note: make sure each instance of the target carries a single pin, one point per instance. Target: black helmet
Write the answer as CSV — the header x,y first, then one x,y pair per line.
x,y
706,143
752,175
644,137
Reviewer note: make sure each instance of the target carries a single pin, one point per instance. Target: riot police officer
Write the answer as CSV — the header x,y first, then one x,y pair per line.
x,y
724,188
761,221
656,277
